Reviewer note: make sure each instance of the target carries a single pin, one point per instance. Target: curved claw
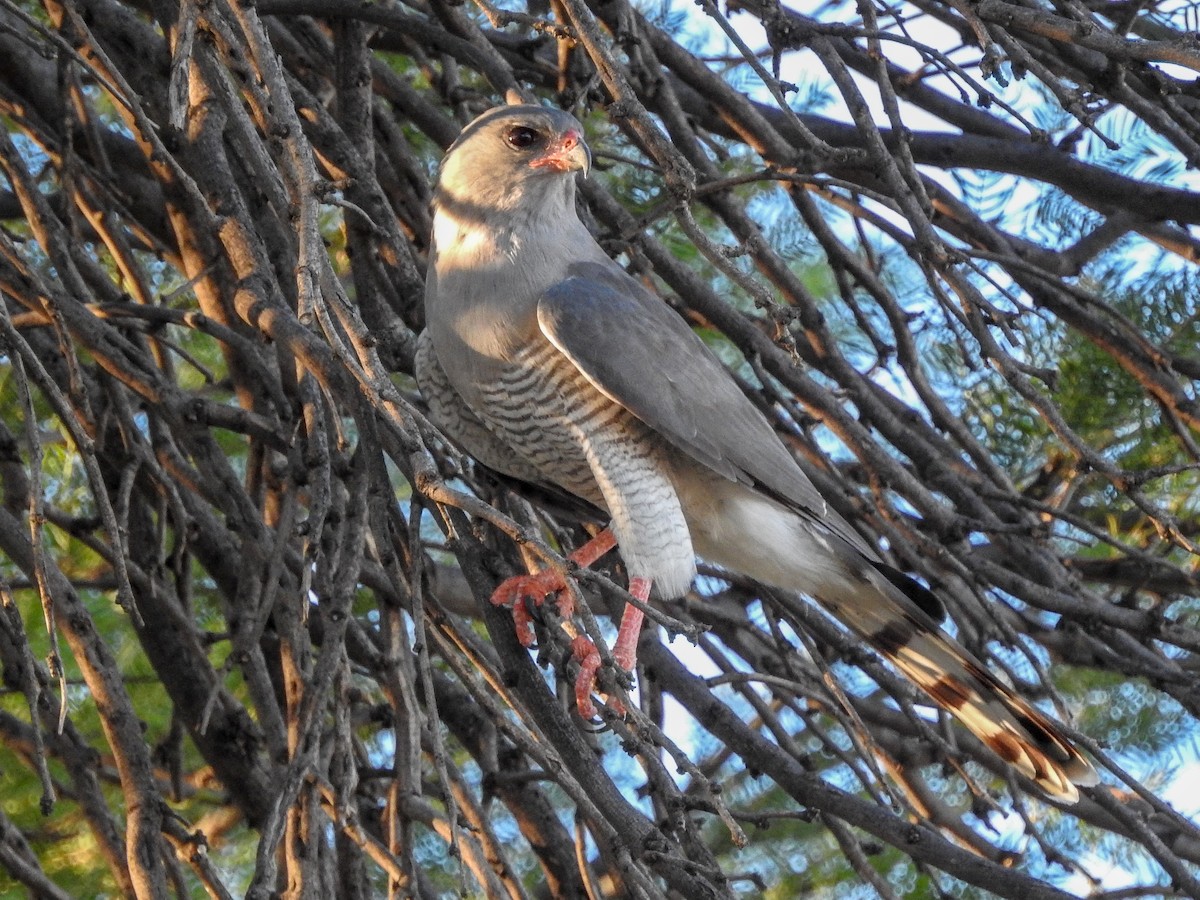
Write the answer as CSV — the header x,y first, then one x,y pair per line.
x,y
585,682
516,590
523,622
535,587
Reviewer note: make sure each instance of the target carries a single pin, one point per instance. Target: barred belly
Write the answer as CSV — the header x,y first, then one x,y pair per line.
x,y
578,438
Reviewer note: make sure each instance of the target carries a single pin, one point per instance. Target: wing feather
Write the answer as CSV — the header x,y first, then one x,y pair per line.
x,y
641,354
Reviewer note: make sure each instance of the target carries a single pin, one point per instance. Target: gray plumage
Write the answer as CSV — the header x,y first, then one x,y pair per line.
x,y
549,363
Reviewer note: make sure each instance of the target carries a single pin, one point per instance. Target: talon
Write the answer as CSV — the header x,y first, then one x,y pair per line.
x,y
523,622
589,663
516,590
585,683
535,587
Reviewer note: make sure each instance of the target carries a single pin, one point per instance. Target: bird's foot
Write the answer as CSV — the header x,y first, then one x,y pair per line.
x,y
588,656
624,653
517,590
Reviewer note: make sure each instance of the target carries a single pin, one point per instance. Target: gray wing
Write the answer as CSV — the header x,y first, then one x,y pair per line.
x,y
642,355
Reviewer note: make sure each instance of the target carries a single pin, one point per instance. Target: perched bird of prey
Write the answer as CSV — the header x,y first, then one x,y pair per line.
x,y
552,365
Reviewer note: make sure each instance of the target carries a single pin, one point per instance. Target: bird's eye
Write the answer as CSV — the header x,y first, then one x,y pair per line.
x,y
521,138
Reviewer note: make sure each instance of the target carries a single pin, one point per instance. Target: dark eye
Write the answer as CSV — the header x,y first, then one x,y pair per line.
x,y
520,137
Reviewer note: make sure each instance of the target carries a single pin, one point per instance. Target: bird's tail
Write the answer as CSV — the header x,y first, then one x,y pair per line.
x,y
823,557
884,614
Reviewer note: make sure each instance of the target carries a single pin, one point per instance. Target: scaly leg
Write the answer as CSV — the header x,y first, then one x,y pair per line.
x,y
624,651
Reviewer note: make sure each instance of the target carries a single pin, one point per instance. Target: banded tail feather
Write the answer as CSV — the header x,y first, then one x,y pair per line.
x,y
1010,726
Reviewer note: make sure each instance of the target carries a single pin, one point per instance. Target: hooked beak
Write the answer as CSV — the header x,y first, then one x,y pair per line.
x,y
568,153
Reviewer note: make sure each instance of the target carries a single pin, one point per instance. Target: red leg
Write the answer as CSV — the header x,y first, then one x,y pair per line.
x,y
513,591
624,651
589,663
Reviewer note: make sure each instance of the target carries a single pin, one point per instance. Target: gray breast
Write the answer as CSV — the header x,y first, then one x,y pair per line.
x,y
546,410
451,413
557,421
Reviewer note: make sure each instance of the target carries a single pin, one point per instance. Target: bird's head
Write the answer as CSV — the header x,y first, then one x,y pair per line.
x,y
512,151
